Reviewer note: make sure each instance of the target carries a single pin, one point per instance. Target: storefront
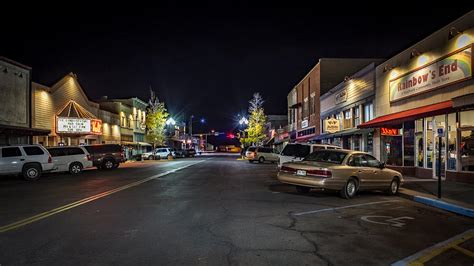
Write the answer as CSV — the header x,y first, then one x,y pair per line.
x,y
344,107
424,96
71,117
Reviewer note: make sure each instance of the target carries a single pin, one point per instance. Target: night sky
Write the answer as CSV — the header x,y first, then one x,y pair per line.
x,y
206,62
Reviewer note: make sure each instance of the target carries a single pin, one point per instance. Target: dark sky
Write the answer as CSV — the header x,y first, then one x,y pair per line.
x,y
206,62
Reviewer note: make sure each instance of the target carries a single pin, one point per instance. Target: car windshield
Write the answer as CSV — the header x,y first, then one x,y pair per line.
x,y
296,150
326,156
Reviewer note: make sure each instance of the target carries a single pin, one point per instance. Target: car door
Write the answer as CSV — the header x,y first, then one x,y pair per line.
x,y
376,179
12,160
364,173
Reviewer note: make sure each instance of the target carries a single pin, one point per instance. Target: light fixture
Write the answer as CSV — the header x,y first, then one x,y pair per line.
x,y
414,53
170,121
347,78
387,67
453,32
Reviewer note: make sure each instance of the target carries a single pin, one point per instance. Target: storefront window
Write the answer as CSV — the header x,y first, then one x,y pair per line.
x,y
392,150
339,117
429,142
368,111
408,143
451,133
356,142
466,149
370,143
419,142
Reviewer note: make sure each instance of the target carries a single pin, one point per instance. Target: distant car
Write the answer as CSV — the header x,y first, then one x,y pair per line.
x,y
70,159
295,152
159,153
106,156
341,170
189,152
261,154
29,160
180,153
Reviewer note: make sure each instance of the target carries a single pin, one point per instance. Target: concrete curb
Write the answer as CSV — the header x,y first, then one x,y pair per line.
x,y
440,204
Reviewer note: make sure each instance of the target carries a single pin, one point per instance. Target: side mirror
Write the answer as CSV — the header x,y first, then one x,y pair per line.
x,y
382,165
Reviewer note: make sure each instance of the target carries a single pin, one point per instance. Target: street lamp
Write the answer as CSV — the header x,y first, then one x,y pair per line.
x,y
170,121
243,121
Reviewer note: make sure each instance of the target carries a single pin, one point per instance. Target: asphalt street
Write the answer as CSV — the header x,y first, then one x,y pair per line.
x,y
213,211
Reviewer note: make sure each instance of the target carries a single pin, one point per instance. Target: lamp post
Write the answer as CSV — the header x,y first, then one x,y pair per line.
x,y
170,122
242,122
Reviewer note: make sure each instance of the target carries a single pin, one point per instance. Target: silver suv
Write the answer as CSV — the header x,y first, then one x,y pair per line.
x,y
29,160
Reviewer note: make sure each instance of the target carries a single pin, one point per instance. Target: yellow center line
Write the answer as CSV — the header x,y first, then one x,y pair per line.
x,y
69,206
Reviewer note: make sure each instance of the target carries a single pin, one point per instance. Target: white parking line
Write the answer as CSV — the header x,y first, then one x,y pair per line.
x,y
345,207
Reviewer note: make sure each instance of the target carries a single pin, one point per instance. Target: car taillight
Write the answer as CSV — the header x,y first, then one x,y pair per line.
x,y
50,160
89,158
288,169
320,173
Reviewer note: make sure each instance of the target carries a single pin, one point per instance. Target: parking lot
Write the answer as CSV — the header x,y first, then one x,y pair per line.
x,y
216,210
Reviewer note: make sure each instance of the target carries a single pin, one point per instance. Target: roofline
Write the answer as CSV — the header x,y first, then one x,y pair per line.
x,y
13,62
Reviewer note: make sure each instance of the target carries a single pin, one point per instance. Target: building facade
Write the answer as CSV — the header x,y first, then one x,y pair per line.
x,y
15,111
346,106
72,118
132,117
304,118
424,96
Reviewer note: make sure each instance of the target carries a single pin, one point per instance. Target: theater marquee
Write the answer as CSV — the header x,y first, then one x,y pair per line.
x,y
449,69
73,125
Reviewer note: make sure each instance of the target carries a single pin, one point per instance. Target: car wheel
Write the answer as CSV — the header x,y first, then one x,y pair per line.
x,y
75,168
302,190
394,186
116,165
261,160
107,164
31,172
150,157
350,189
250,161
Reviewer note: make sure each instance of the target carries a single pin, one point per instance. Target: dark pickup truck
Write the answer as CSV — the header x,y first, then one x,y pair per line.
x,y
106,156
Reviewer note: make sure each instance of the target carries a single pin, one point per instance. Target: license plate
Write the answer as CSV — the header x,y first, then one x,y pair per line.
x,y
300,172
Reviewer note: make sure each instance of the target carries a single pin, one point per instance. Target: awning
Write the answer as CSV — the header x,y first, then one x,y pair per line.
x,y
412,114
23,131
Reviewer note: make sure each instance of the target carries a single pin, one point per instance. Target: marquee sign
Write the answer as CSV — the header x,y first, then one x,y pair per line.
x,y
73,125
449,69
331,125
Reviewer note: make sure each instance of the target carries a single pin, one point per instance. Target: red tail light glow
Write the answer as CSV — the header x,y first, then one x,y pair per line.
x,y
50,160
320,173
89,158
288,169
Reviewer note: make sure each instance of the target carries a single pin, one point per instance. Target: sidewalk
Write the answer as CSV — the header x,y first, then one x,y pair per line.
x,y
455,196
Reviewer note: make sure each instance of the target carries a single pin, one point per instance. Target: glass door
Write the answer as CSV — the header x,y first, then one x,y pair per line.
x,y
439,122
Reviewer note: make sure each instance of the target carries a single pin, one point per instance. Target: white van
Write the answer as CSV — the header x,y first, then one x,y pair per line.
x,y
70,159
295,152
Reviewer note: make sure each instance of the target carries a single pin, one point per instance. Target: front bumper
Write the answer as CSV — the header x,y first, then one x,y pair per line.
x,y
309,181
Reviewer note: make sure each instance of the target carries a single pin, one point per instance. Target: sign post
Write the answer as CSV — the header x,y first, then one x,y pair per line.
x,y
440,139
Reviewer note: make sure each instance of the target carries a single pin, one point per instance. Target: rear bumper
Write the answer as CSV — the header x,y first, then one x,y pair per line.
x,y
307,181
47,167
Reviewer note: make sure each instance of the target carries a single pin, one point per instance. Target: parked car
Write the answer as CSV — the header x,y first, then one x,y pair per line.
x,y
341,170
106,156
158,153
295,152
28,160
261,154
189,153
70,159
180,153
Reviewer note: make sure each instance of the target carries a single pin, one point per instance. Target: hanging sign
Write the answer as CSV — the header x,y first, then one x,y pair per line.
x,y
331,125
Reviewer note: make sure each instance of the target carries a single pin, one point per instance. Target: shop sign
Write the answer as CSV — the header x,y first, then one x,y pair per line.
x,y
341,96
304,123
442,72
389,131
331,125
74,125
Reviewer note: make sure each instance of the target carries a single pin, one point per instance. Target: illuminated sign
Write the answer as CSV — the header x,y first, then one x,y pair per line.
x,y
332,125
389,131
72,125
442,72
304,123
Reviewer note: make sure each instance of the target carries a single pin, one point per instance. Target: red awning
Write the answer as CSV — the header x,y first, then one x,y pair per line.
x,y
412,114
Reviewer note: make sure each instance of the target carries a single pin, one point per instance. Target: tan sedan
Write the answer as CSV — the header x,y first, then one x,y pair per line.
x,y
341,170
